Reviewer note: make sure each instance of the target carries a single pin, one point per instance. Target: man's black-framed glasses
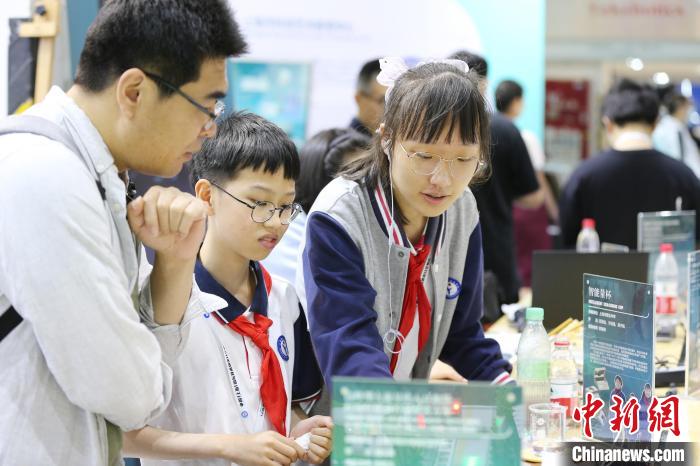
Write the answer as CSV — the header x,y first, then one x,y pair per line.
x,y
262,211
219,107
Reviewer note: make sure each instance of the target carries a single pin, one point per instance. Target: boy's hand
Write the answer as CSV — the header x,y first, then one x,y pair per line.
x,y
170,222
262,449
321,430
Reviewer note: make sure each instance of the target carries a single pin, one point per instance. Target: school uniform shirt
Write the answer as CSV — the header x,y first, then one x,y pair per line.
x,y
216,370
68,265
355,263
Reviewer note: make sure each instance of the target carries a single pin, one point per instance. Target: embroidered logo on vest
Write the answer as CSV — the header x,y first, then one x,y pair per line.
x,y
282,348
453,288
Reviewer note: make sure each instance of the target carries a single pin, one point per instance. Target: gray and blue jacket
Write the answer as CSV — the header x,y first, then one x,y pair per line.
x,y
354,264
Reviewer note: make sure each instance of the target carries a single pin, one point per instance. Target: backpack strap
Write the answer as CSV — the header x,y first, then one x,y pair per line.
x,y
8,321
38,126
42,127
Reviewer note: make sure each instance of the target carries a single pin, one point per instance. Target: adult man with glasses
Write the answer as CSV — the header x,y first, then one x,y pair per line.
x,y
219,106
369,97
76,366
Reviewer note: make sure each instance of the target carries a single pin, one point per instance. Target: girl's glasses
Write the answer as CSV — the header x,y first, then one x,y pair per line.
x,y
423,163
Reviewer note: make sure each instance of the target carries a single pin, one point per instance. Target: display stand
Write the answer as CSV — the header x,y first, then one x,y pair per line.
x,y
44,27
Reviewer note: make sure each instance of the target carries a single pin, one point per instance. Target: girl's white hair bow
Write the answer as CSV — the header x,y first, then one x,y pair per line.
x,y
393,67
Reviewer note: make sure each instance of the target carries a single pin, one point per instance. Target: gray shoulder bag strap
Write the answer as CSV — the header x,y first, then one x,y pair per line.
x,y
10,319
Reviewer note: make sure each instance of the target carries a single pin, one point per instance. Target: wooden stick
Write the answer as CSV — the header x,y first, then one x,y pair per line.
x,y
575,325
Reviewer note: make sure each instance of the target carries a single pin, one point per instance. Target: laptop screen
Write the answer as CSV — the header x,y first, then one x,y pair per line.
x,y
557,279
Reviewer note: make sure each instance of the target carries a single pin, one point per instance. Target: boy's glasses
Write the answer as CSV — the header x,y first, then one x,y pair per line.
x,y
423,163
219,107
262,211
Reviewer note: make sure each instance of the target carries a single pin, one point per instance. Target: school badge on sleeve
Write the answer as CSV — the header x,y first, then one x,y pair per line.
x,y
282,348
453,288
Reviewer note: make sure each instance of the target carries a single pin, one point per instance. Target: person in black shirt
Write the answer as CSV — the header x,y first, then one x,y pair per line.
x,y
512,180
631,177
369,96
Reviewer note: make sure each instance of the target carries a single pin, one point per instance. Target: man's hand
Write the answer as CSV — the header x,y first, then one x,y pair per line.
x,y
321,443
170,222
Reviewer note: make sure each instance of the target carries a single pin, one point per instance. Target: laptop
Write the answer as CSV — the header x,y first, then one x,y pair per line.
x,y
557,287
557,279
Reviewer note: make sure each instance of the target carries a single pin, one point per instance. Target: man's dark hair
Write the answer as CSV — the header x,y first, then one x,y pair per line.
x,y
507,92
631,102
476,62
368,75
673,100
171,38
245,140
322,157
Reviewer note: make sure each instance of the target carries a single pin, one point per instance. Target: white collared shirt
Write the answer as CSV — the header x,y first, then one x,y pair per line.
x,y
216,371
673,138
68,265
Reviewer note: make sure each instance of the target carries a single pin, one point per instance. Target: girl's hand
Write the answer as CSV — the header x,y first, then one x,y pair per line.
x,y
444,372
320,446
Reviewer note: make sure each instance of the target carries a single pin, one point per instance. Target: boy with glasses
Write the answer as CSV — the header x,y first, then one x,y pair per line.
x,y
241,354
76,366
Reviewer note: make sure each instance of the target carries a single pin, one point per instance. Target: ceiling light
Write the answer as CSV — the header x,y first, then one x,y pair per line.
x,y
661,78
635,63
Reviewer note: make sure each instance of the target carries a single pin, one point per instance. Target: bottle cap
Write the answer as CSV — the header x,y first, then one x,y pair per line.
x,y
666,247
534,313
588,223
561,342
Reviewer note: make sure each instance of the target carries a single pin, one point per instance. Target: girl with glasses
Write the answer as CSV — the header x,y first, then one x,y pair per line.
x,y
392,265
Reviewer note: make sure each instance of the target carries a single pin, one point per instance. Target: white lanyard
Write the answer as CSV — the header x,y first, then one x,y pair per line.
x,y
253,421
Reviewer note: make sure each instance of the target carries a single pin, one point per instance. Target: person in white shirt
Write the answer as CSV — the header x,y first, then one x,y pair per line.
x,y
322,157
242,353
671,135
78,367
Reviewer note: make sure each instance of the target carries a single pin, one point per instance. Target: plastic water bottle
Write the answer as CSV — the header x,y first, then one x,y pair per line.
x,y
666,290
587,240
563,376
533,359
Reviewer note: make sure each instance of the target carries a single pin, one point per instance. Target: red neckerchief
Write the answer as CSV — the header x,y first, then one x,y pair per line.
x,y
415,299
272,389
